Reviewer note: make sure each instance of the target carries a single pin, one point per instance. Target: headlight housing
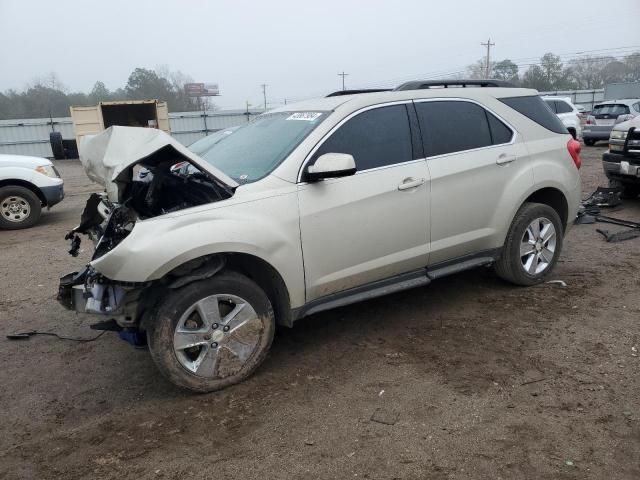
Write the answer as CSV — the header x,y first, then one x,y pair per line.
x,y
618,134
48,170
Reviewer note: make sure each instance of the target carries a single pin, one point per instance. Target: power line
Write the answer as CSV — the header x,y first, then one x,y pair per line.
x,y
522,62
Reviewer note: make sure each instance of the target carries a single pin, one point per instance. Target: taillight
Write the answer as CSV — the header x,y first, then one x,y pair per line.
x,y
591,120
573,146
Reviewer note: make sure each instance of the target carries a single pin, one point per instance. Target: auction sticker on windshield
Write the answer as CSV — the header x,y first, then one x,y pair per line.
x,y
307,116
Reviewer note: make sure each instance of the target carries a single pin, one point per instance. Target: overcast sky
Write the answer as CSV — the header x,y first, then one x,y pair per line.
x,y
297,47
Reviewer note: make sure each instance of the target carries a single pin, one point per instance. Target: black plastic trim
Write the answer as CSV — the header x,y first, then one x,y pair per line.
x,y
379,288
396,283
340,93
416,134
425,84
449,267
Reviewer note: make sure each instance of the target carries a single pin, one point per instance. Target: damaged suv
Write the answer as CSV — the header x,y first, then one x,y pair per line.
x,y
314,206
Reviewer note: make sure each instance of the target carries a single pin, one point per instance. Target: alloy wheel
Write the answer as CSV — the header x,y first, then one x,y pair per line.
x,y
538,246
217,335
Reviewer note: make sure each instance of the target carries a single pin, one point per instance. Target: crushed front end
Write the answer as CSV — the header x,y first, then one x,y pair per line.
x,y
139,185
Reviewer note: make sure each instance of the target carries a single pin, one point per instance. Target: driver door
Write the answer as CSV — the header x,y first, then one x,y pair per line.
x,y
374,224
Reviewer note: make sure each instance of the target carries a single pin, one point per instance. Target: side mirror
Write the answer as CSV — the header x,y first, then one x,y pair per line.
x,y
331,165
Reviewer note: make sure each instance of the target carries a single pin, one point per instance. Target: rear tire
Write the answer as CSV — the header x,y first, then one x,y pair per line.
x,y
19,207
529,255
627,191
212,333
590,142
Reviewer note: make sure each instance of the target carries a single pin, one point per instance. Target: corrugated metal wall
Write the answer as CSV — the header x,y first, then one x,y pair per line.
x,y
187,127
31,136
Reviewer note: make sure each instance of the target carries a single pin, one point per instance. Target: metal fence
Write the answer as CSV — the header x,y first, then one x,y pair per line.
x,y
31,136
586,98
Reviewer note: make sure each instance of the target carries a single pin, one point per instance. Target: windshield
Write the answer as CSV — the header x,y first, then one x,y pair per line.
x,y
200,146
253,151
610,109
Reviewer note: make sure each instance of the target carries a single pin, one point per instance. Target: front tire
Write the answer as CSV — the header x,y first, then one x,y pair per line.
x,y
212,333
533,245
19,207
590,142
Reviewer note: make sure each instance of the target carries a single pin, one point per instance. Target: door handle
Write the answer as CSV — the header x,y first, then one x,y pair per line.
x,y
410,182
504,159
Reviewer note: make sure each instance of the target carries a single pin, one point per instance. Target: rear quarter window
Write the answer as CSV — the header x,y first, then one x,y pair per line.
x,y
534,108
563,107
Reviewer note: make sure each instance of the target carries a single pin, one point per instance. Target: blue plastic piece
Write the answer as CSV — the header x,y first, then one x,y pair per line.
x,y
134,337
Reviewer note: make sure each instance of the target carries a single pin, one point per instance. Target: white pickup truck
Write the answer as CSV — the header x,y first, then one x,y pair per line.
x,y
26,185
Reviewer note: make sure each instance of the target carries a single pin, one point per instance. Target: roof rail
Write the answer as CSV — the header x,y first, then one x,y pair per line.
x,y
424,84
339,93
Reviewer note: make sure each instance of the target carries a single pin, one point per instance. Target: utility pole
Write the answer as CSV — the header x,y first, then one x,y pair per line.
x,y
488,45
264,95
247,113
343,75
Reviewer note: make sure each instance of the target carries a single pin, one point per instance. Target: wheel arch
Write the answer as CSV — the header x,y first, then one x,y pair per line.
x,y
14,182
257,269
553,198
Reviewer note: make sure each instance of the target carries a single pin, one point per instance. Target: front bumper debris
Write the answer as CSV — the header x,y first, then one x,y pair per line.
x,y
89,292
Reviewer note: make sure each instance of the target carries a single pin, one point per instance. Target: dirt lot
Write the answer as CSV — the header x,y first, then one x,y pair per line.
x,y
470,377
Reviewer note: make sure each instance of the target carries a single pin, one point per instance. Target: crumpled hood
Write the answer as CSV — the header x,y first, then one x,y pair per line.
x,y
106,155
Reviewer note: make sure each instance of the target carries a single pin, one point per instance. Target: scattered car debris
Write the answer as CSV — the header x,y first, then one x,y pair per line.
x,y
31,333
603,197
619,236
589,213
562,283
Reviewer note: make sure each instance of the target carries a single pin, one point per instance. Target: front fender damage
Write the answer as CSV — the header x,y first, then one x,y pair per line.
x,y
128,303
139,170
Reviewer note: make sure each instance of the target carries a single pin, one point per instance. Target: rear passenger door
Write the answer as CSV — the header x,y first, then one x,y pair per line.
x,y
374,224
473,157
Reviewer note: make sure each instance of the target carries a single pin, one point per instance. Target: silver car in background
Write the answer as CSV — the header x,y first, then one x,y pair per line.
x,y
607,114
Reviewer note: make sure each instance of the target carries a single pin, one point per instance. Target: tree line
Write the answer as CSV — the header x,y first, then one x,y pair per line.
x,y
47,96
551,73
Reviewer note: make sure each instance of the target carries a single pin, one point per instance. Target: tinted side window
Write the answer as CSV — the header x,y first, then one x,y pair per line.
x,y
563,107
452,126
375,138
552,105
500,133
534,108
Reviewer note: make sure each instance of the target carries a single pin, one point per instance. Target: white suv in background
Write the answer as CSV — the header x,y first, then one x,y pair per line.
x,y
567,113
313,206
26,185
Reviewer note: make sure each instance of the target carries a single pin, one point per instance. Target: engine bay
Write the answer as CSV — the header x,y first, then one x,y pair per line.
x,y
156,186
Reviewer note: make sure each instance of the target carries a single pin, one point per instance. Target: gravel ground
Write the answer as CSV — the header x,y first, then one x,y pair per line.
x,y
468,377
